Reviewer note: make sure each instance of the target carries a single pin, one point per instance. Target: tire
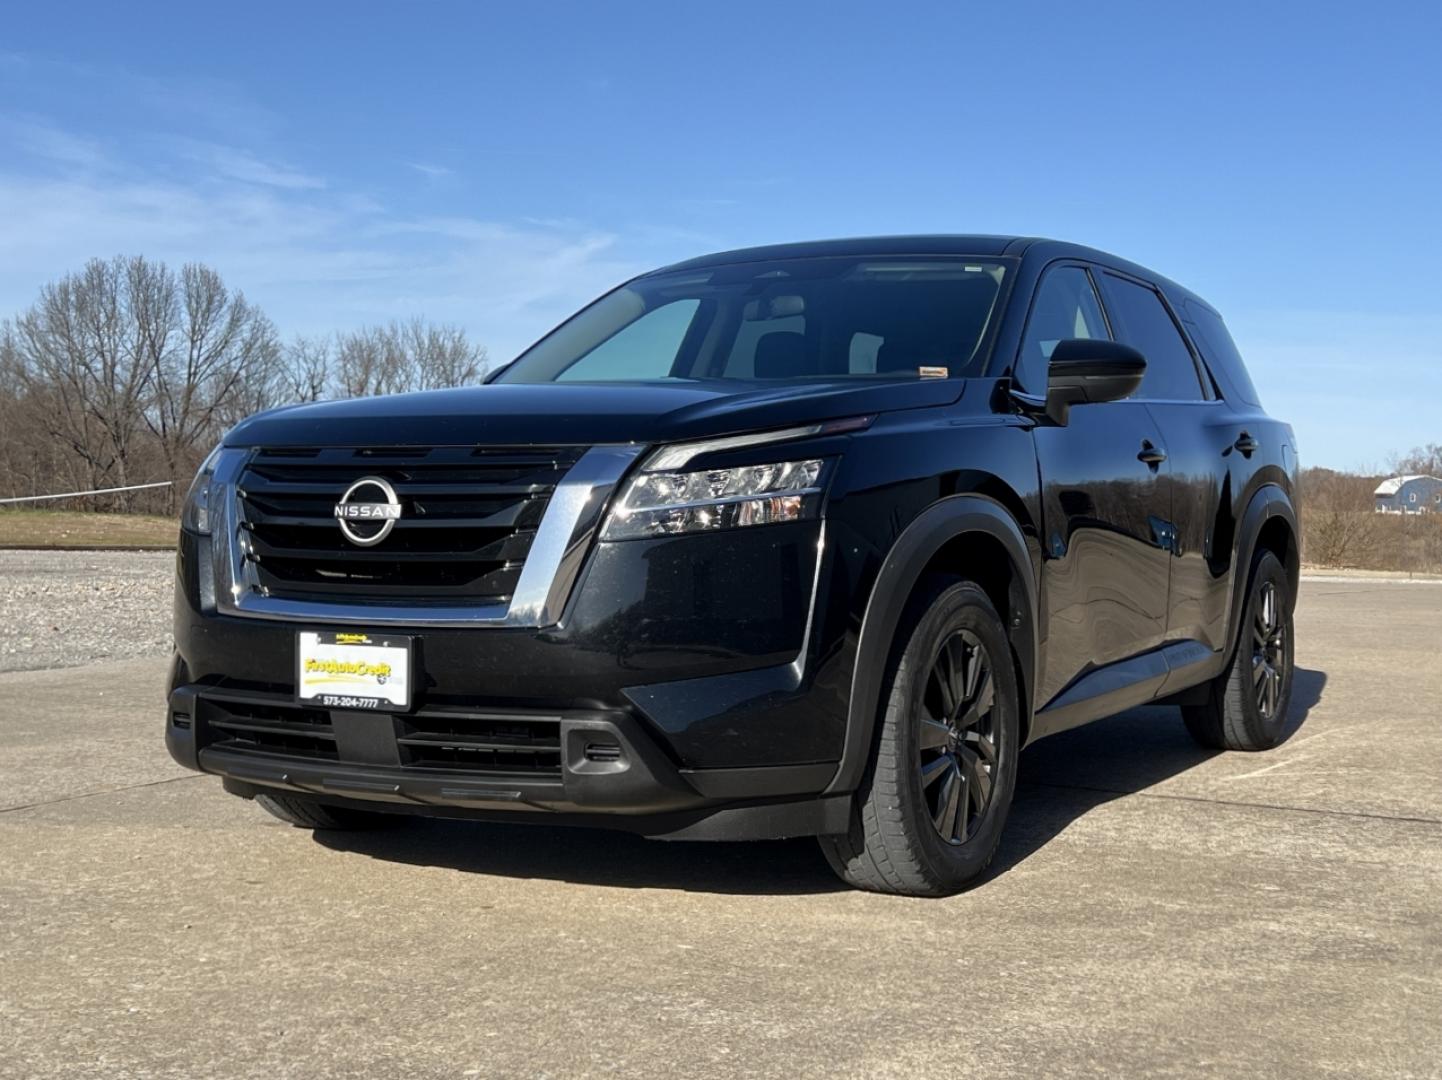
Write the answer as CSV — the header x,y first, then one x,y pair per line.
x,y
1246,705
924,823
308,814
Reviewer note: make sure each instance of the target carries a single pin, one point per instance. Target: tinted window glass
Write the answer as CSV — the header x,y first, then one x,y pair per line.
x,y
1066,306
1221,352
1145,324
787,319
644,349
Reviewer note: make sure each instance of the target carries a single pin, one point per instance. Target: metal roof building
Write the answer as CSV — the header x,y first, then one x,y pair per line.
x,y
1409,495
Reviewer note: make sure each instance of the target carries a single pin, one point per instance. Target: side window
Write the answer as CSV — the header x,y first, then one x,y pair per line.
x,y
1220,351
1066,306
643,349
1145,324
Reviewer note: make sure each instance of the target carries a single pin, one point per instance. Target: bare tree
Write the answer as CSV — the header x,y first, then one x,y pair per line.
x,y
307,369
440,356
206,349
400,357
127,372
1338,517
363,365
81,348
1426,460
126,362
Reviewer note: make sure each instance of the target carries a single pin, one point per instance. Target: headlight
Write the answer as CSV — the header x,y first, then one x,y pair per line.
x,y
669,503
195,514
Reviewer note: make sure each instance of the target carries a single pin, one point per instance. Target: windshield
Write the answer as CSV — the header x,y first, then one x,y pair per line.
x,y
797,319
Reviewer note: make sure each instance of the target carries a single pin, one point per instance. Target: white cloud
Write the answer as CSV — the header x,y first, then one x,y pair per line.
x,y
435,172
212,106
315,256
235,164
37,139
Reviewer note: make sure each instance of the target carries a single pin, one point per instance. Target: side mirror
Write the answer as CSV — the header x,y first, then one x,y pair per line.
x,y
1084,371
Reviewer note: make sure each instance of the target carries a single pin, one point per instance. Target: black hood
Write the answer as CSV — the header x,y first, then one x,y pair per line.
x,y
583,414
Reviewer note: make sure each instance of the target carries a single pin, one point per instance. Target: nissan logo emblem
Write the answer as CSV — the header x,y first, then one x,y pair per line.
x,y
368,511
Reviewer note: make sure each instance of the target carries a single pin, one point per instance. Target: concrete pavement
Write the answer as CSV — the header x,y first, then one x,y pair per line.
x,y
1156,910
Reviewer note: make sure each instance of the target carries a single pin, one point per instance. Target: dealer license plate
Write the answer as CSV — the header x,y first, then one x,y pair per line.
x,y
354,670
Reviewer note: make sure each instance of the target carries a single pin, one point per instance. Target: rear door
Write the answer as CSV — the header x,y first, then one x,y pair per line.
x,y
1105,549
1197,427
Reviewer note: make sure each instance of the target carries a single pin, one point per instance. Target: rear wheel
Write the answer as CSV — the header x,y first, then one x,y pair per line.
x,y
308,814
936,793
1246,705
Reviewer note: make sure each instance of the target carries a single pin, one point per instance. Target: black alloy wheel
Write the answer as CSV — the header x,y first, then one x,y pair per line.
x,y
956,745
1269,650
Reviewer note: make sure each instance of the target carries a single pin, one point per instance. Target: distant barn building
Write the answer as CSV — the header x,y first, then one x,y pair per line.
x,y
1409,495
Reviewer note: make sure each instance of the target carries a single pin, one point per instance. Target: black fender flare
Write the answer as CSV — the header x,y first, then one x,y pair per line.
x,y
1267,502
936,526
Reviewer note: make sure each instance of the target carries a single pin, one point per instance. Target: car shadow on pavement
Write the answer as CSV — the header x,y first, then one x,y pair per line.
x,y
1066,775
598,857
1061,779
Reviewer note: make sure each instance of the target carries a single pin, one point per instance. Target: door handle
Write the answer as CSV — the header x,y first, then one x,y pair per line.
x,y
1247,445
1150,454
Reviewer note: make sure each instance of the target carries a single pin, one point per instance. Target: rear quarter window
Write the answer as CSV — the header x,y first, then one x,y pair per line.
x,y
1220,351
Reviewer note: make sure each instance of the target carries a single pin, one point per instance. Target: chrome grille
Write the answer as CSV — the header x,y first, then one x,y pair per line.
x,y
469,516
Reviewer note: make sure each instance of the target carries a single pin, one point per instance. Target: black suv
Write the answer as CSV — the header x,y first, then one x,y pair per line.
x,y
798,540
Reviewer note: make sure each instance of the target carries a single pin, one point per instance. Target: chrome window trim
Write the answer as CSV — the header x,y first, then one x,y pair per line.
x,y
562,539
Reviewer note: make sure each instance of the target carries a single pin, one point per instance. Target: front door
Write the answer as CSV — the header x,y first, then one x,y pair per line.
x,y
1106,540
1106,534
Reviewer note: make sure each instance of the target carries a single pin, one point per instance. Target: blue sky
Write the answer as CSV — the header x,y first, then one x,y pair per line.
x,y
497,165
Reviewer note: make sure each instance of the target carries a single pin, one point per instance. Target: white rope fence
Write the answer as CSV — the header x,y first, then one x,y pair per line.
x,y
80,494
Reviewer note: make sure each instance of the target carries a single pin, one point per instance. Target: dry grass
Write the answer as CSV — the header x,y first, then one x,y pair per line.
x,y
68,529
1341,530
1363,540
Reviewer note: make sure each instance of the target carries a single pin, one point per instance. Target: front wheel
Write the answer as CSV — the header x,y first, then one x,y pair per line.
x,y
1246,705
936,793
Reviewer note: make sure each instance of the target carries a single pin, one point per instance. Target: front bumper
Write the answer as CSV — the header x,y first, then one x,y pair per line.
x,y
593,766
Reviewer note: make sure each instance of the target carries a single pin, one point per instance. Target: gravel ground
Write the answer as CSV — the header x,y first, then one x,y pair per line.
x,y
71,608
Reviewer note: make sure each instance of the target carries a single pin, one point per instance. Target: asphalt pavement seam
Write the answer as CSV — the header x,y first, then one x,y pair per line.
x,y
1237,802
103,791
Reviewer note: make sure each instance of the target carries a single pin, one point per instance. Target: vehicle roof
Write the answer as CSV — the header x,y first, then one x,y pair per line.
x,y
931,244
976,244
